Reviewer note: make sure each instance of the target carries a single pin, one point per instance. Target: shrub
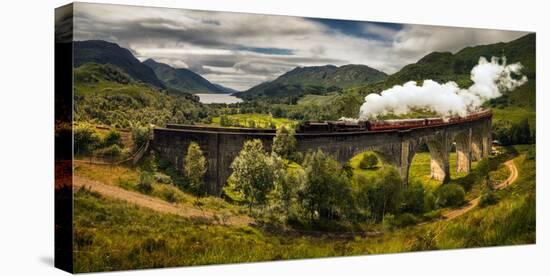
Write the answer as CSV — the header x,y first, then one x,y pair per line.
x,y
148,162
140,135
403,220
163,178
110,151
413,199
450,195
429,201
467,182
83,237
86,139
145,184
151,245
488,198
531,153
431,215
425,241
112,138
369,161
169,195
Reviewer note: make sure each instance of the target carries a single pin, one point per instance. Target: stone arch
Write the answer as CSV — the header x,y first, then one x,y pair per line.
x,y
384,157
463,147
387,154
439,145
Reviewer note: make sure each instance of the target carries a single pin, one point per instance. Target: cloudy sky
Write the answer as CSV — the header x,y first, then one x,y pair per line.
x,y
241,50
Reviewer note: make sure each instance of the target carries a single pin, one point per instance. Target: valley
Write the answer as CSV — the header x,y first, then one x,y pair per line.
x,y
279,201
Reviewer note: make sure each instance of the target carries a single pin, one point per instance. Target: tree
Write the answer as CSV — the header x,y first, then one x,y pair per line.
x,y
521,133
145,184
508,133
284,142
255,173
283,195
361,194
195,167
348,104
369,161
385,193
326,192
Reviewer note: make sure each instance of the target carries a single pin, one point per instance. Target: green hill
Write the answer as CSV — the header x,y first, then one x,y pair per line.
x,y
103,52
183,80
444,66
314,80
105,94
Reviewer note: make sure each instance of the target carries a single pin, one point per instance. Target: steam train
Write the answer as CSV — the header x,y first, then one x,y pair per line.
x,y
381,125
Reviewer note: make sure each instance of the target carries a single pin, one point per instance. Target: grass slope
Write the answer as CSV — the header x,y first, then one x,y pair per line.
x,y
113,235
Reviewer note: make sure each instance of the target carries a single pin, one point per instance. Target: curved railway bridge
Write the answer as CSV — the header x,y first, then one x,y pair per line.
x,y
472,140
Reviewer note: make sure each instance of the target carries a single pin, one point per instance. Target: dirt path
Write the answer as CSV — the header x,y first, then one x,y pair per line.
x,y
153,203
474,202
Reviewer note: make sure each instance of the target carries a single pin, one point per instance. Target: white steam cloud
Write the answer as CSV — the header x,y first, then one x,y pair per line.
x,y
490,80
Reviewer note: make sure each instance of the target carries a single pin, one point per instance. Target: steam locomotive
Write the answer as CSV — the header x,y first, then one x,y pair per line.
x,y
381,125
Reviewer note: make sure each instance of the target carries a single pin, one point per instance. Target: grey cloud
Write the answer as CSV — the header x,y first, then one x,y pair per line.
x,y
242,50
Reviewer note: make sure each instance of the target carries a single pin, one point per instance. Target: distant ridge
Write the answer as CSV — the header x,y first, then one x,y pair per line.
x,y
103,52
315,79
184,80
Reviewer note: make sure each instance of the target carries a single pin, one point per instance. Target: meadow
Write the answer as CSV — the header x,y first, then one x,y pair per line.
x,y
419,171
114,235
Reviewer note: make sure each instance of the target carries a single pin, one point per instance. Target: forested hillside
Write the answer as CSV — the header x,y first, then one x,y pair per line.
x,y
314,80
104,94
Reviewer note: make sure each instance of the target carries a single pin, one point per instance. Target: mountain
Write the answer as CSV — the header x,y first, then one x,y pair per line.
x,y
512,106
315,80
445,66
183,80
226,89
103,52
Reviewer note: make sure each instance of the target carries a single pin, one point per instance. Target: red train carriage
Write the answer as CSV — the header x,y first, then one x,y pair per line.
x,y
354,126
395,124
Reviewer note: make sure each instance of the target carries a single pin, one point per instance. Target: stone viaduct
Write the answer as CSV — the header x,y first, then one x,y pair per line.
x,y
472,141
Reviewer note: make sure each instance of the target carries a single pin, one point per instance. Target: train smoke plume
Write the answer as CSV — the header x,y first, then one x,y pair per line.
x,y
490,79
